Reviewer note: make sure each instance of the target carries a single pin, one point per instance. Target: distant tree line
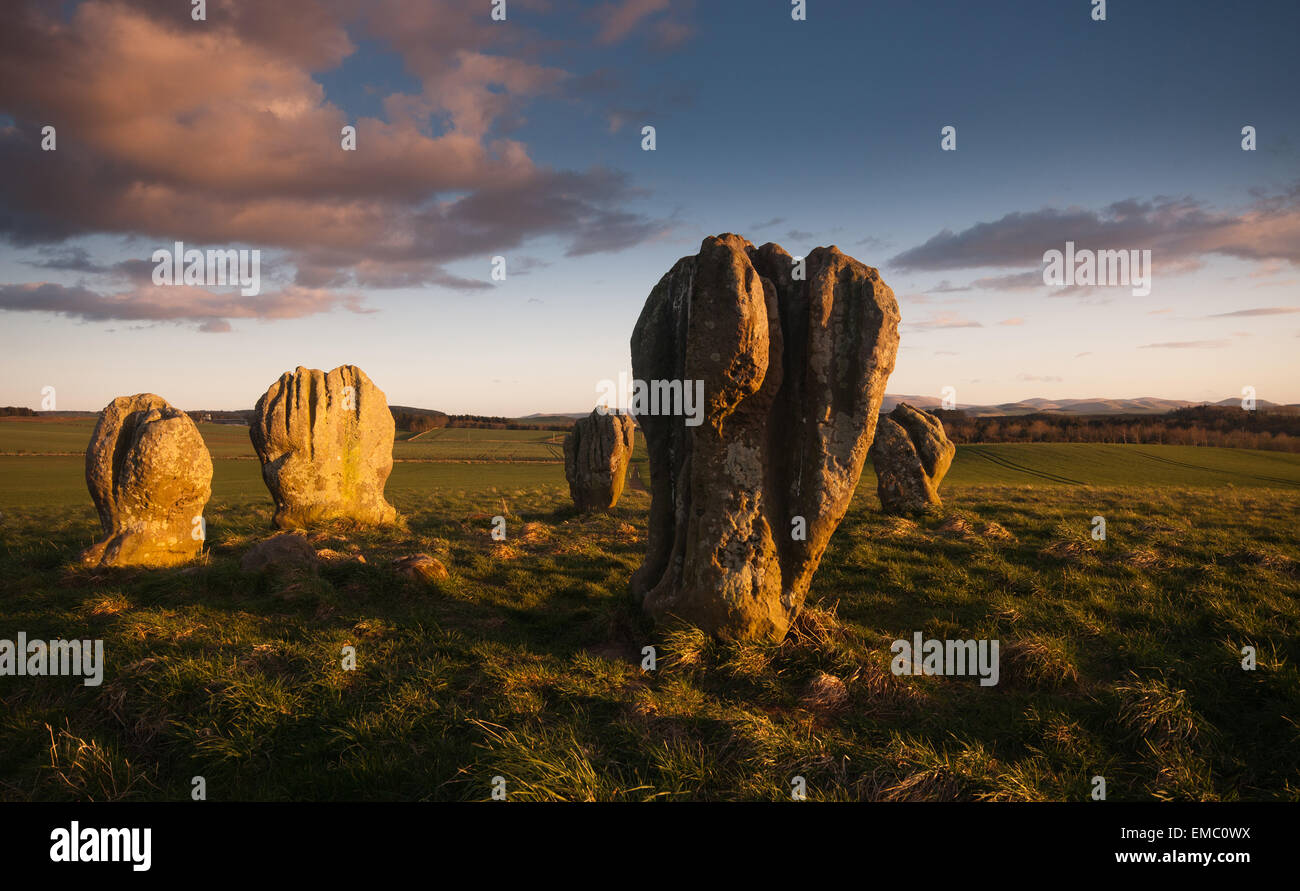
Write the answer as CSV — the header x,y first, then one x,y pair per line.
x,y
414,420
222,417
419,422
16,411
1201,425
488,422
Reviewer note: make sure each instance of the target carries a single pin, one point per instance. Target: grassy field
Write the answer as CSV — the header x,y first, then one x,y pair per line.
x,y
27,437
1119,658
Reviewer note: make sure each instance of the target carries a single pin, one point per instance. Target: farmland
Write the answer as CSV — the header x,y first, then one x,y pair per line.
x,y
1120,658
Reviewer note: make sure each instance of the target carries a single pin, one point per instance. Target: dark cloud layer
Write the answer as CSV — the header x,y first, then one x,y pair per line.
x,y
1175,230
207,309
217,134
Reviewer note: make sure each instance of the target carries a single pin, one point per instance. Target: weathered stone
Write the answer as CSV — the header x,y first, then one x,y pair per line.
x,y
420,568
326,446
911,455
284,553
596,456
335,558
150,475
794,369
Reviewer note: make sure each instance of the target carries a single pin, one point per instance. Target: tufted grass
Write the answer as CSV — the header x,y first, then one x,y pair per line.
x,y
1119,658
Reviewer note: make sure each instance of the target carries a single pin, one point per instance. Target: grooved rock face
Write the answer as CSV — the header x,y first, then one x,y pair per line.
x,y
150,475
794,369
596,456
326,446
911,455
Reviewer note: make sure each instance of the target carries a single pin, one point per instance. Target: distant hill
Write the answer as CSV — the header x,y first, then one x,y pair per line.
x,y
407,409
1142,405
544,416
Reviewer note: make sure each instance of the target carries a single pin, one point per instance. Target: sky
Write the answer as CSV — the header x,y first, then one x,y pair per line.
x,y
523,139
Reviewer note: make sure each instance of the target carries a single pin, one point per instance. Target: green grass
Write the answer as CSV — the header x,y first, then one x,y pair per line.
x,y
451,443
1043,464
25,437
1119,658
1122,465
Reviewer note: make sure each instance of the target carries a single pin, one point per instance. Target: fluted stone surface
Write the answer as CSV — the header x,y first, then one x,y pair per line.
x,y
596,455
794,369
326,446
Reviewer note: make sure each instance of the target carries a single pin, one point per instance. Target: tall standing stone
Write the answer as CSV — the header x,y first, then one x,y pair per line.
x,y
597,452
911,454
794,360
150,475
326,446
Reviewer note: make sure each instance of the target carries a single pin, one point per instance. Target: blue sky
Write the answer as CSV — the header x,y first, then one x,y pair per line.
x,y
1116,134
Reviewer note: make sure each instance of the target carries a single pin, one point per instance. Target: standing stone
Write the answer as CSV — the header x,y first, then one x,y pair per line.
x,y
326,446
150,475
911,455
596,456
794,360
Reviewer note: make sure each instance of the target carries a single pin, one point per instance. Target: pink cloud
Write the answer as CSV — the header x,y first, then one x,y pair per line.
x,y
618,20
174,304
216,133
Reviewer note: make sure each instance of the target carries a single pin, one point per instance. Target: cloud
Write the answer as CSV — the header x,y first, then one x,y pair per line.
x,y
945,320
179,304
1176,230
620,20
525,265
1267,269
69,259
140,93
1263,311
1185,345
415,273
1015,321
1013,282
624,100
1044,379
767,224
668,34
